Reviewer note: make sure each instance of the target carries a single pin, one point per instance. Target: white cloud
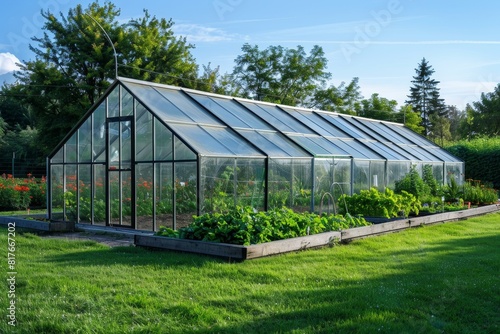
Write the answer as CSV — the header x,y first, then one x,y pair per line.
x,y
8,63
199,33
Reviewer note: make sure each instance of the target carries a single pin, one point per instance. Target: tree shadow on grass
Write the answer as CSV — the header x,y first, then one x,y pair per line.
x,y
453,288
447,286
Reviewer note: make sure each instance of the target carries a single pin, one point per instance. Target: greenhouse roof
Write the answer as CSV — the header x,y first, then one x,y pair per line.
x,y
216,125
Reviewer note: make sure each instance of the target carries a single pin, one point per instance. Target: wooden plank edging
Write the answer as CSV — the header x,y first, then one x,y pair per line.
x,y
289,245
38,225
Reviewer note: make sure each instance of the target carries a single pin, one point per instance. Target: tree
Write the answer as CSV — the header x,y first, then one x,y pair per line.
x,y
280,75
377,107
345,99
424,96
486,113
74,63
409,118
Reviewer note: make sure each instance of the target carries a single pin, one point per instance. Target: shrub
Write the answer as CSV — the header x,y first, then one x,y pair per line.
x,y
386,204
413,184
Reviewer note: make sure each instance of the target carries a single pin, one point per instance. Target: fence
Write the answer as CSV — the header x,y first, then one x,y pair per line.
x,y
21,167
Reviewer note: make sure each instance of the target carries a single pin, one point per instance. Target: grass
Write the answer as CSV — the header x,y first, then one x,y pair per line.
x,y
433,279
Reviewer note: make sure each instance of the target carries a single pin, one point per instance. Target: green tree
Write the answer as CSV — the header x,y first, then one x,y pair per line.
x,y
409,118
486,114
75,63
424,96
377,107
345,99
280,75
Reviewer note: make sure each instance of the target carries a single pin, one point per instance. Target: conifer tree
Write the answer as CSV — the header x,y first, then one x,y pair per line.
x,y
424,96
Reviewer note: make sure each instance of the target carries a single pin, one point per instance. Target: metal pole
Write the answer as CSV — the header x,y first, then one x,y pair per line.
x,y
13,158
110,42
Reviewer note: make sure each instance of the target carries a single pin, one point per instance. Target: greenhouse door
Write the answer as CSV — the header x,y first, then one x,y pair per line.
x,y
121,201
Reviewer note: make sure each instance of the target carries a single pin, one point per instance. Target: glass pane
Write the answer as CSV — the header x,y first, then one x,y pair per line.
x,y
58,157
341,178
114,145
163,142
114,102
85,193
127,103
396,171
377,175
84,141
361,177
57,191
182,152
164,195
144,196
126,144
185,193
71,192
233,142
98,133
144,134
71,152
280,192
301,184
217,184
250,183
188,107
120,198
323,185
99,198
157,103
216,109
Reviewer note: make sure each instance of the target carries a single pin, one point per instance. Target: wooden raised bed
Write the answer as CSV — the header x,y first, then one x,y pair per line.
x,y
38,225
239,252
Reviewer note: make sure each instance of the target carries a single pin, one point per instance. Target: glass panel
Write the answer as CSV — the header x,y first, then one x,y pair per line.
x,y
359,147
280,183
232,141
144,134
250,183
114,102
144,196
99,131
200,140
301,184
438,172
71,152
332,179
217,185
120,198
216,109
188,107
85,193
341,178
58,157
361,177
274,144
71,192
396,171
377,175
114,145
341,123
57,191
455,171
182,152
84,141
163,142
99,198
126,144
157,103
185,193
127,103
164,195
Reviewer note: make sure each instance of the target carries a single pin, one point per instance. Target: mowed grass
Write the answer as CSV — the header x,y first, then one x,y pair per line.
x,y
435,279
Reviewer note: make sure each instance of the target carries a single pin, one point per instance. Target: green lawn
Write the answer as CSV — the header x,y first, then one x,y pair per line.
x,y
434,279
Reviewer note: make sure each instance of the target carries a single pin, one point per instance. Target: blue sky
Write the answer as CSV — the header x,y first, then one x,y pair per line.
x,y
381,42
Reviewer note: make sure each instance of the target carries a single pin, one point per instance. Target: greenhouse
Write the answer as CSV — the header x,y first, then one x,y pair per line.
x,y
148,155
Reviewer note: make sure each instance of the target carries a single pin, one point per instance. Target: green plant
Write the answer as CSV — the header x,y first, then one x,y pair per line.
x,y
245,226
413,184
387,204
